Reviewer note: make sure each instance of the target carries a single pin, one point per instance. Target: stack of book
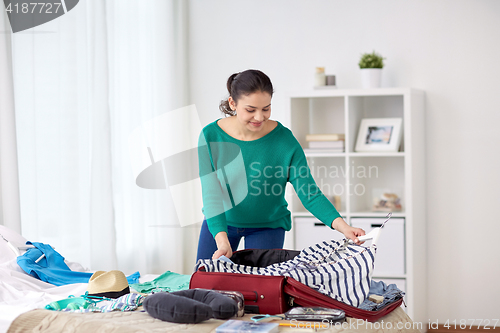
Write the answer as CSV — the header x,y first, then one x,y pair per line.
x,y
331,142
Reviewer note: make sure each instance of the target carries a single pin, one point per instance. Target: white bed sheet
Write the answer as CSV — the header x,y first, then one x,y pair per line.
x,y
20,292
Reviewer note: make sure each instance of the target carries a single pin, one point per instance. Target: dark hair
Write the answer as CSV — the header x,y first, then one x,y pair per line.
x,y
245,83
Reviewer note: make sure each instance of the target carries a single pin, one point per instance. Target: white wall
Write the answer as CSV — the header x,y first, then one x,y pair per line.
x,y
450,49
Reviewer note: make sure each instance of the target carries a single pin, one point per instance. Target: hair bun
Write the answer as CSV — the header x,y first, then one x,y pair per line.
x,y
245,82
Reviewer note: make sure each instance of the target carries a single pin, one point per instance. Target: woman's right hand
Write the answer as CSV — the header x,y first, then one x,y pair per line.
x,y
223,246
223,251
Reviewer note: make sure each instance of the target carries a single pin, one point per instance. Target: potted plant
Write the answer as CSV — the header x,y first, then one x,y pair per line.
x,y
371,65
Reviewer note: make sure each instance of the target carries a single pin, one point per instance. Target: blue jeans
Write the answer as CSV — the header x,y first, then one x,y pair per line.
x,y
255,238
390,293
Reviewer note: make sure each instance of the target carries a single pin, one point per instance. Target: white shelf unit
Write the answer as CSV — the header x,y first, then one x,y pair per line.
x,y
341,111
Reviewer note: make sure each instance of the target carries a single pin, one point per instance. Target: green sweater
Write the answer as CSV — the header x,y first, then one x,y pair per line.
x,y
244,182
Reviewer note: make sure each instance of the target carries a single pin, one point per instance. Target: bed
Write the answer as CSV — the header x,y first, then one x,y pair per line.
x,y
23,297
139,321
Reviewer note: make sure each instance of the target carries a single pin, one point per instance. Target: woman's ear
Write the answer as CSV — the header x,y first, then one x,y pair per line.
x,y
232,103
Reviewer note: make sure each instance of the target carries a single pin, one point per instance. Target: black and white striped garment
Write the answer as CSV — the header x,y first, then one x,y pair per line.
x,y
333,268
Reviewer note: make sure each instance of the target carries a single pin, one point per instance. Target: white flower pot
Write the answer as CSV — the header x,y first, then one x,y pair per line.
x,y
371,77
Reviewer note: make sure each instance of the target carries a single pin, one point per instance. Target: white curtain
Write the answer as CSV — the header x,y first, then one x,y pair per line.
x,y
9,181
83,83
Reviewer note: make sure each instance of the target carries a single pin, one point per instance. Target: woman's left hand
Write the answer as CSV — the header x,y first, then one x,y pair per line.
x,y
348,231
353,233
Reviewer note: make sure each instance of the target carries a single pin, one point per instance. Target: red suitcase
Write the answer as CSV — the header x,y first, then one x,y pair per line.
x,y
263,294
276,294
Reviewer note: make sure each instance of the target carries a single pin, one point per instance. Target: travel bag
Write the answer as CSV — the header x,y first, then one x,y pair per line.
x,y
268,279
276,294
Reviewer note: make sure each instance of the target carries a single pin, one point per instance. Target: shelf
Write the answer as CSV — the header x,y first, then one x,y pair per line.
x,y
358,177
308,214
378,154
389,276
376,214
326,153
354,214
353,92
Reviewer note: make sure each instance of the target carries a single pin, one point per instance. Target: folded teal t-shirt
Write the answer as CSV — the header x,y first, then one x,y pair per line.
x,y
168,281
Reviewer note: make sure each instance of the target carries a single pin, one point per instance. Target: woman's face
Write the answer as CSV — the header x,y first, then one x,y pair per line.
x,y
253,110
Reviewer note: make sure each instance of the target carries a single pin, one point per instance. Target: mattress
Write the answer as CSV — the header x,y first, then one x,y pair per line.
x,y
139,321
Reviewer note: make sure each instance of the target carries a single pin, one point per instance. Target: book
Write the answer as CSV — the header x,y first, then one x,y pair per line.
x,y
326,144
325,137
240,326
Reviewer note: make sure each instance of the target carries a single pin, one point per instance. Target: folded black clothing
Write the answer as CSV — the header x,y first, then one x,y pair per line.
x,y
190,306
262,257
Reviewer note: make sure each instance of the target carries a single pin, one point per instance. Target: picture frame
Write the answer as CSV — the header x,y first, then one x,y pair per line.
x,y
379,135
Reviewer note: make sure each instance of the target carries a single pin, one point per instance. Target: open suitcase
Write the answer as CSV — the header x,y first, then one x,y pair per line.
x,y
276,294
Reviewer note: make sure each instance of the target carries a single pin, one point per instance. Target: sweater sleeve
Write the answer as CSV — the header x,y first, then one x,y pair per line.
x,y
308,192
212,194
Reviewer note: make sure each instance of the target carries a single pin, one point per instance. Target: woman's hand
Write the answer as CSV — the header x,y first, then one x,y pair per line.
x,y
348,231
354,233
223,246
223,251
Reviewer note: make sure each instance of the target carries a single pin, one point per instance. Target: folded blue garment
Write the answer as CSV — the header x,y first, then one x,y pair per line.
x,y
389,292
224,258
53,269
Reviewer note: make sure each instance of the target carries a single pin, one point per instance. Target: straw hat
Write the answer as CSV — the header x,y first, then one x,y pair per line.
x,y
111,284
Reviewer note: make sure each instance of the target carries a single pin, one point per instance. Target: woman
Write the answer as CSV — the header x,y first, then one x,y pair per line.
x,y
246,159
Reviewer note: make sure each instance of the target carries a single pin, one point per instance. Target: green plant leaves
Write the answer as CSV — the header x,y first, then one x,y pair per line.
x,y
371,60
